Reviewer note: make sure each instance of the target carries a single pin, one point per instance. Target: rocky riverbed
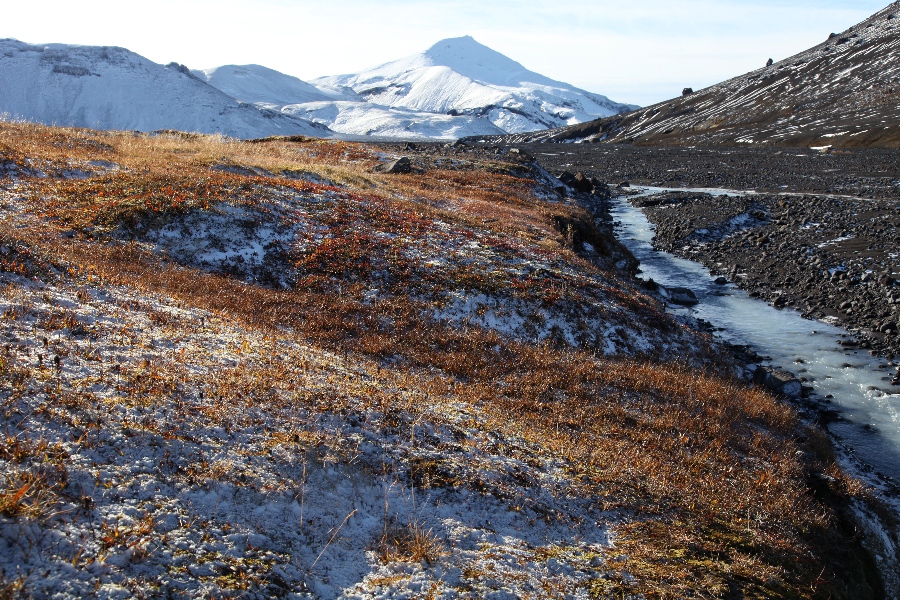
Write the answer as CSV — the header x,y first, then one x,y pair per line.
x,y
870,173
816,231
831,258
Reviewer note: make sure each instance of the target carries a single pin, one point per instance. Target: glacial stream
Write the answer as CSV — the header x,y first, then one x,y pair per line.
x,y
868,405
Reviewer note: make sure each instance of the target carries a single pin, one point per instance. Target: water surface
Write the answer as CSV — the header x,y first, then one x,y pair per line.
x,y
868,404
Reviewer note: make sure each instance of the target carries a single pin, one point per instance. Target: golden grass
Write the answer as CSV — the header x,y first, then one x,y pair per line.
x,y
710,475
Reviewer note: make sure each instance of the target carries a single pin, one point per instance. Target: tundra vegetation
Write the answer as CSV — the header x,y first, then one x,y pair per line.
x,y
266,369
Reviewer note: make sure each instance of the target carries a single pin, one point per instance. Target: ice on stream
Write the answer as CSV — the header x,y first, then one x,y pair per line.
x,y
861,392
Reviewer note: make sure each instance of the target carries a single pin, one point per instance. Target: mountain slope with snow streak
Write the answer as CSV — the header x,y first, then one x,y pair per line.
x,y
844,92
114,88
262,85
462,77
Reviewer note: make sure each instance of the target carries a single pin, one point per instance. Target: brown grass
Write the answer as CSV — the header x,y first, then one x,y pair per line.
x,y
709,473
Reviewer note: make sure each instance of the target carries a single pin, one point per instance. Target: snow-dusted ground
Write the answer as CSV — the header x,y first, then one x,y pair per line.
x,y
113,88
174,485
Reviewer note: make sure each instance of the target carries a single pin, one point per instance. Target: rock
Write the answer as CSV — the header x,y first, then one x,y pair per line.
x,y
687,91
567,179
770,63
401,165
721,281
600,189
778,381
650,285
679,295
624,184
582,183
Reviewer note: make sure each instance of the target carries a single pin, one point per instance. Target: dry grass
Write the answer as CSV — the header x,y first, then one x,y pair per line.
x,y
409,543
710,475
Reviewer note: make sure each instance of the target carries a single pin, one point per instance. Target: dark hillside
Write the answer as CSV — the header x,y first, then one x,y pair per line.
x,y
845,92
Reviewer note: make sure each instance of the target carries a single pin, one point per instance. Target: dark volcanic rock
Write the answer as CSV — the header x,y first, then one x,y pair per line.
x,y
679,295
401,165
577,182
779,381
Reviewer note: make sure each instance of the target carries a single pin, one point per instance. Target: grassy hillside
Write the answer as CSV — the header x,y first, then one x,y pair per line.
x,y
265,370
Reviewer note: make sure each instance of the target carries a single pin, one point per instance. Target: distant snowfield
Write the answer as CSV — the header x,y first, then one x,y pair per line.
x,y
113,88
366,119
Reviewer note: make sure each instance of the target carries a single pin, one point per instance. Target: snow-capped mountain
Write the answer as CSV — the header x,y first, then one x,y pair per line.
x,y
344,113
113,88
459,76
842,92
262,86
456,88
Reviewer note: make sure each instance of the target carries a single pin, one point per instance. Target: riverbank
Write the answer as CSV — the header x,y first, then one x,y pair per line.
x,y
831,259
836,394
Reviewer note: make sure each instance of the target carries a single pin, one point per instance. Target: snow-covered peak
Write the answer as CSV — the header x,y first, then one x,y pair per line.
x,y
479,63
460,76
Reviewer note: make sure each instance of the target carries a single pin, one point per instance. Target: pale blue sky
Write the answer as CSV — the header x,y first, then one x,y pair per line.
x,y
637,51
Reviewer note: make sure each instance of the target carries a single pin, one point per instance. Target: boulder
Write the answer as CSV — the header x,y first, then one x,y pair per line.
x,y
567,179
521,153
687,91
582,183
401,165
649,285
770,63
679,295
780,382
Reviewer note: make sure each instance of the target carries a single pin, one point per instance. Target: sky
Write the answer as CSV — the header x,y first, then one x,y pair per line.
x,y
635,51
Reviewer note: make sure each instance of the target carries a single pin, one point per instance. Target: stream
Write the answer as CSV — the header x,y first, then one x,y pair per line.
x,y
858,384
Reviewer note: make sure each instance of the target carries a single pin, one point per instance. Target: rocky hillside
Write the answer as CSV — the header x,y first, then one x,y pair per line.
x,y
845,92
310,369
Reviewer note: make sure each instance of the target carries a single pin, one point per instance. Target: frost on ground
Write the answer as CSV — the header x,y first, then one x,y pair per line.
x,y
431,394
143,471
